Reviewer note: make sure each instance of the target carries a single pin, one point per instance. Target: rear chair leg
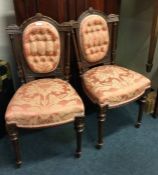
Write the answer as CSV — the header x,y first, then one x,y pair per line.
x,y
142,103
79,128
101,121
13,135
156,106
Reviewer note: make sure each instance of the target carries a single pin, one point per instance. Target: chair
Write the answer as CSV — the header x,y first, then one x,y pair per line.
x,y
46,99
105,83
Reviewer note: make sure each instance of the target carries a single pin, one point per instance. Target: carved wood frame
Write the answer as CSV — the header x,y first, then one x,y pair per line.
x,y
24,72
26,75
109,58
83,65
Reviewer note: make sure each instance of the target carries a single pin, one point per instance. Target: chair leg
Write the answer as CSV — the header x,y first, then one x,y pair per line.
x,y
13,135
155,113
142,102
79,128
101,121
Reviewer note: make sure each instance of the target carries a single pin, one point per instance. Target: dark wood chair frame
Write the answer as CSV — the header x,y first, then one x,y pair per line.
x,y
83,65
26,75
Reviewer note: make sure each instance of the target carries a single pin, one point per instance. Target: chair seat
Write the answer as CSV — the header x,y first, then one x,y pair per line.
x,y
43,103
113,85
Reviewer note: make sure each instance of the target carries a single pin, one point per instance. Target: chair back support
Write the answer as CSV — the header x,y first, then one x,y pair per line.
x,y
41,45
96,39
40,48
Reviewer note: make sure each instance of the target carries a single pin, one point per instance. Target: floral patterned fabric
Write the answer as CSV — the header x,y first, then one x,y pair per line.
x,y
113,85
41,44
44,102
94,37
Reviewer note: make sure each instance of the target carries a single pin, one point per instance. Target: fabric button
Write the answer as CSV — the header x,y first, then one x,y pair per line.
x,y
54,53
35,60
43,60
104,28
51,59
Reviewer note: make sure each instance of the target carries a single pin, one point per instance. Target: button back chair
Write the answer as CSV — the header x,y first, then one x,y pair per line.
x,y
106,84
46,99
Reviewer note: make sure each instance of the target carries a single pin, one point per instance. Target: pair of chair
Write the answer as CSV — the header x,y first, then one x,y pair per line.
x,y
42,50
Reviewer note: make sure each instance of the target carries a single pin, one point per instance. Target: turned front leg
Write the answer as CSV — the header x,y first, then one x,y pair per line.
x,y
155,113
101,121
79,128
142,103
13,135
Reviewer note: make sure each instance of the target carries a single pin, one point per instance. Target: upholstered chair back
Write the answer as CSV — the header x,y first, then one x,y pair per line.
x,y
40,48
41,45
96,39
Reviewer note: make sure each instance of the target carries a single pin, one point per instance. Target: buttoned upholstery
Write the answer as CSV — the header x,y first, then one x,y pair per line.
x,y
46,99
94,38
106,84
41,44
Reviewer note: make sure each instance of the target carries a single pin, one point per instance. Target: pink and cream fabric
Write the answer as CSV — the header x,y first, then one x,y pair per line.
x,y
113,85
43,103
41,45
94,38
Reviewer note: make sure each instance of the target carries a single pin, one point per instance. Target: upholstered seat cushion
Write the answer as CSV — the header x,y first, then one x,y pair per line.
x,y
113,85
44,102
